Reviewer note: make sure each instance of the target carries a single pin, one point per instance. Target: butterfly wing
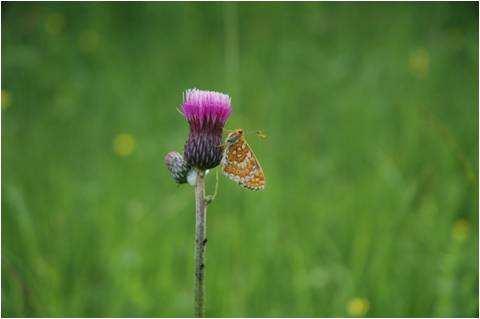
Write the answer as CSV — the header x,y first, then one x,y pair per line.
x,y
240,165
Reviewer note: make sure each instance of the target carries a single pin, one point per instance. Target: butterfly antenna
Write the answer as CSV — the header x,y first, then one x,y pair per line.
x,y
261,134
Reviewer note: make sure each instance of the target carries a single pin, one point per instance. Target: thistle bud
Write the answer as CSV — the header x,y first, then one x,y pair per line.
x,y
177,166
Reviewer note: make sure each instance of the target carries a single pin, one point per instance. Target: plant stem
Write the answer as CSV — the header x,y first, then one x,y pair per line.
x,y
200,243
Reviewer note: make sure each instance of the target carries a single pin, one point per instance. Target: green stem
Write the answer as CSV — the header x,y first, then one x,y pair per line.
x,y
200,243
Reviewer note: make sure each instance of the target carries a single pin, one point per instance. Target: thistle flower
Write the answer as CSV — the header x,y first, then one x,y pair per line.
x,y
206,113
177,167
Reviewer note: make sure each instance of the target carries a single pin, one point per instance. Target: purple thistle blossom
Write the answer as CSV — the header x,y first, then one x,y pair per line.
x,y
206,113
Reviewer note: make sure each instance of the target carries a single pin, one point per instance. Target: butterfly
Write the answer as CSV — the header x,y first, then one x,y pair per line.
x,y
240,164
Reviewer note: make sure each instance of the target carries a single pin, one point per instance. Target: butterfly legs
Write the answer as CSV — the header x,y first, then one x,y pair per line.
x,y
210,198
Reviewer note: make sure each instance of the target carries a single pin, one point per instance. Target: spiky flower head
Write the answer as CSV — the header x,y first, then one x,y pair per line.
x,y
178,167
206,113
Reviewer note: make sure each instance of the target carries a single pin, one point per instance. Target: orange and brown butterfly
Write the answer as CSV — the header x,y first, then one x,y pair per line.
x,y
240,164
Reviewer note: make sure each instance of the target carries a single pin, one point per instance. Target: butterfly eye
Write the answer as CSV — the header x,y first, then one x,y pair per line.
x,y
233,138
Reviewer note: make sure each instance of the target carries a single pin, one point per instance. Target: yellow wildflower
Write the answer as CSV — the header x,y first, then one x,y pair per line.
x,y
460,230
123,144
358,307
419,63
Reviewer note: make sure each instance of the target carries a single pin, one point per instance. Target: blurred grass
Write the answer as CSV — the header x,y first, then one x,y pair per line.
x,y
371,160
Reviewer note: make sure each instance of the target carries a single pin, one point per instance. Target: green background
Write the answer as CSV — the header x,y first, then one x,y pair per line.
x,y
371,204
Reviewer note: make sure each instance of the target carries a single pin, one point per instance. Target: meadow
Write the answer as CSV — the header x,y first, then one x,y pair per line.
x,y
371,159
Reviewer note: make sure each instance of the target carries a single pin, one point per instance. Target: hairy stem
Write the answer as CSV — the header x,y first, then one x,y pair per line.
x,y
200,243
